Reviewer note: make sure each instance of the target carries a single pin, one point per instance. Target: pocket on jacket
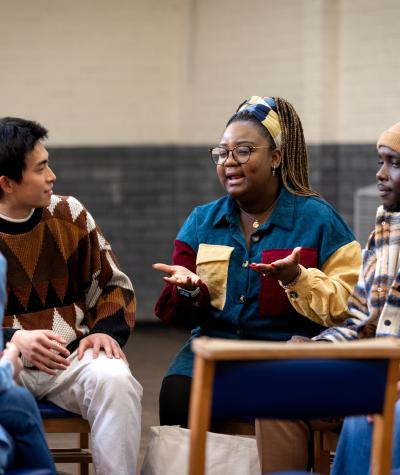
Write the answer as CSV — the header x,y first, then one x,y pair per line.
x,y
273,298
212,267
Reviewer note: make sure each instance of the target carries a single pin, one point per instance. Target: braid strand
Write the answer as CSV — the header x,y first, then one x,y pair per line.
x,y
294,166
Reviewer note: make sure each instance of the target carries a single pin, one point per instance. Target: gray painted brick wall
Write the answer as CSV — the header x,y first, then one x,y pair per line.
x,y
140,196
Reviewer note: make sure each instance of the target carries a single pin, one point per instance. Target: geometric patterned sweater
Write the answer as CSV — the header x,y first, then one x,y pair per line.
x,y
63,276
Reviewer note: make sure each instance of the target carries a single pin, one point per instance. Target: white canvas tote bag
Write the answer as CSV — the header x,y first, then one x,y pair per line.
x,y
168,453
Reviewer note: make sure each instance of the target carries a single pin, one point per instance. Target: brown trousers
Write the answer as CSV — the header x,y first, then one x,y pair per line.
x,y
284,444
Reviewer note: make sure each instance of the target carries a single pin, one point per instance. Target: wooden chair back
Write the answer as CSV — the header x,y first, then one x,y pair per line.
x,y
294,380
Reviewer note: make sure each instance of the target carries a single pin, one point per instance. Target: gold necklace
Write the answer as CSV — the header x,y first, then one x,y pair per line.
x,y
256,221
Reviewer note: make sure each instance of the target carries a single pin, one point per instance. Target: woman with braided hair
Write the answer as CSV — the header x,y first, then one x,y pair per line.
x,y
269,260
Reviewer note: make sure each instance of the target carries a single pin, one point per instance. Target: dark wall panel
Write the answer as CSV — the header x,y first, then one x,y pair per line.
x,y
140,196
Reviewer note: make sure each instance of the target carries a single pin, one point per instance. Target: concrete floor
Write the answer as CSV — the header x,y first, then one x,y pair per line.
x,y
149,351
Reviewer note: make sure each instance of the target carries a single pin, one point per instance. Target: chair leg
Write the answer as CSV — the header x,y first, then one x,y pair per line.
x,y
322,459
84,444
199,414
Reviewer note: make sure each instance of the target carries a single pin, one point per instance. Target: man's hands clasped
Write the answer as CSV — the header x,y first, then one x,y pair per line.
x,y
46,350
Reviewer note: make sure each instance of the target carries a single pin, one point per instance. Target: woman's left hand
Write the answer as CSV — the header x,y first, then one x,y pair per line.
x,y
285,270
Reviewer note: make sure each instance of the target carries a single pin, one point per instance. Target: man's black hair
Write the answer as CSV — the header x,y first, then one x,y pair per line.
x,y
17,138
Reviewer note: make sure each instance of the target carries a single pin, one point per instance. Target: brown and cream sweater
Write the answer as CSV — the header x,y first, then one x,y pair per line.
x,y
62,276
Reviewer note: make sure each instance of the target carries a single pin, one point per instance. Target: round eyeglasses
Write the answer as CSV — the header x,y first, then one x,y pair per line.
x,y
240,153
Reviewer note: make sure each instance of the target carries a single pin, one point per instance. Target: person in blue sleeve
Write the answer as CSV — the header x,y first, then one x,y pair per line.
x,y
22,439
269,260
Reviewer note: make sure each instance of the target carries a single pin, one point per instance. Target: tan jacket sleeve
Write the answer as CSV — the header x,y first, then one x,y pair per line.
x,y
322,295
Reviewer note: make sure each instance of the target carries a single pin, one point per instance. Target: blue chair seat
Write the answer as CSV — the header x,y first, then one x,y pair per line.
x,y
49,410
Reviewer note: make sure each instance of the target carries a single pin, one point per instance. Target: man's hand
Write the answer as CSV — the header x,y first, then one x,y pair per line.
x,y
43,348
285,270
101,341
11,353
179,275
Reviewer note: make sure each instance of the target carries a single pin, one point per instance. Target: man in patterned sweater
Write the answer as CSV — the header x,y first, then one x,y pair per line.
x,y
70,308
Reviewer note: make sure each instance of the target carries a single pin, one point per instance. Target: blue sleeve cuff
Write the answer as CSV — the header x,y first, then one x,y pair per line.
x,y
6,374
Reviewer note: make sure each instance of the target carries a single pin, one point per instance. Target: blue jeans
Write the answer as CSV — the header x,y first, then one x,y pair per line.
x,y
20,417
354,448
7,450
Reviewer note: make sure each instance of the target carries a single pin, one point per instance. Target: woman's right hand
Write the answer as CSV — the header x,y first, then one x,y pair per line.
x,y
11,353
179,275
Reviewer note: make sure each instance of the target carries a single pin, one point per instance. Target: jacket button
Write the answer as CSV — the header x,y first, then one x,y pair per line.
x,y
242,299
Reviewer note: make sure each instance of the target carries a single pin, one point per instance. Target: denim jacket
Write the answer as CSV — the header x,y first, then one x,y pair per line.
x,y
6,370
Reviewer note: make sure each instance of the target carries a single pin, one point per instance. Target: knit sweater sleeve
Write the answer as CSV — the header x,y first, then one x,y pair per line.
x,y
109,295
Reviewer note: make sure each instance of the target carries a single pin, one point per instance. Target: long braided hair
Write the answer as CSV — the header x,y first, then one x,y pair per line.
x,y
294,163
294,166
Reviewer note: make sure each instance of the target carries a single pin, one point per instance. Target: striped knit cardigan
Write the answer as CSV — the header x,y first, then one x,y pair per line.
x,y
374,306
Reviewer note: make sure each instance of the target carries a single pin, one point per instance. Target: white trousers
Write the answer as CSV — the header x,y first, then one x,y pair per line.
x,y
105,393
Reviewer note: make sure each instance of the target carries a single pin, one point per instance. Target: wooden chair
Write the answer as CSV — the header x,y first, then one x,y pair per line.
x,y
325,442
283,380
59,421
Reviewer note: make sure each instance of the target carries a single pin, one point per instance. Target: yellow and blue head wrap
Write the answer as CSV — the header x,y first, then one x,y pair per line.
x,y
264,109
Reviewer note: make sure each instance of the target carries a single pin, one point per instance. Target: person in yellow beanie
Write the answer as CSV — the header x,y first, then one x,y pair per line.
x,y
370,316
388,175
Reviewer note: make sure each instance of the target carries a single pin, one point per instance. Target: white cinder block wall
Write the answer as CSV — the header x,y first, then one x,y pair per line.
x,y
172,71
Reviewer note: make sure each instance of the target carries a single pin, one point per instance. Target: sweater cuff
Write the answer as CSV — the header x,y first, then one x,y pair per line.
x,y
6,374
9,333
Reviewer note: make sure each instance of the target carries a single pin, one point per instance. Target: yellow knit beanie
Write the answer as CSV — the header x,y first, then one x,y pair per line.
x,y
391,138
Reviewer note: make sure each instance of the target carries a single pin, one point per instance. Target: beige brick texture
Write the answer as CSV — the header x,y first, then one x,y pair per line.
x,y
173,71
